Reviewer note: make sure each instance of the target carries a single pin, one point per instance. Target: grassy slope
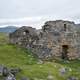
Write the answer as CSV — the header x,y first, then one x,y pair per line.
x,y
13,56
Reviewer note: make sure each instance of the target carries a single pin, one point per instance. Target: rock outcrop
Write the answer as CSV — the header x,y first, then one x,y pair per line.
x,y
56,39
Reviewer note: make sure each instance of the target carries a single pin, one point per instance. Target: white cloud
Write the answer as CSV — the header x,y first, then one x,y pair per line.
x,y
28,21
35,22
36,12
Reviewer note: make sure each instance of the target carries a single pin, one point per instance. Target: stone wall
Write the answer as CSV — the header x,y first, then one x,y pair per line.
x,y
56,39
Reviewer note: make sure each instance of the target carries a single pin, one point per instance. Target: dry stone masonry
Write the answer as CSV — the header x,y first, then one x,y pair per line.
x,y
57,39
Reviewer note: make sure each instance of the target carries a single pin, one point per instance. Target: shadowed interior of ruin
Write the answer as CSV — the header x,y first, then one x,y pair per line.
x,y
64,51
65,27
26,31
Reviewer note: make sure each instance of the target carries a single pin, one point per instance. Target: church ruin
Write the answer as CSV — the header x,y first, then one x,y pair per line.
x,y
56,39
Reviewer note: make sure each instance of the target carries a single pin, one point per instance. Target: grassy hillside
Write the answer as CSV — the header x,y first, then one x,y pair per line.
x,y
13,56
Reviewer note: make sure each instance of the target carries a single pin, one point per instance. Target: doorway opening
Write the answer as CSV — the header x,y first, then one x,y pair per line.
x,y
65,51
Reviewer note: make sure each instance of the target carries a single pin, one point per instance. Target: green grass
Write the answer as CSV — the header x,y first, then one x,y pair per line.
x,y
13,56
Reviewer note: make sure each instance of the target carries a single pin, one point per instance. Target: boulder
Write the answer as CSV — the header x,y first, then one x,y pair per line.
x,y
10,77
14,71
24,78
72,78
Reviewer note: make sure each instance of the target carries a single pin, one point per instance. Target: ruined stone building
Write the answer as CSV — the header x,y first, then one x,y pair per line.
x,y
56,39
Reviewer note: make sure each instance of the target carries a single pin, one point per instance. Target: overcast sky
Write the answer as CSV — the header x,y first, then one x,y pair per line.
x,y
36,12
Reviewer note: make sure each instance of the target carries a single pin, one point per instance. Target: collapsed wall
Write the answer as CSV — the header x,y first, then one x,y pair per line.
x,y
56,39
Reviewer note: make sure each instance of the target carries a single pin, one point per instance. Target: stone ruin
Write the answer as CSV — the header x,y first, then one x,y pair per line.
x,y
56,40
8,73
